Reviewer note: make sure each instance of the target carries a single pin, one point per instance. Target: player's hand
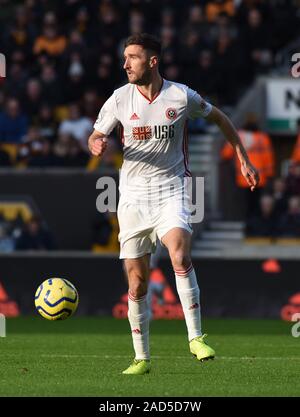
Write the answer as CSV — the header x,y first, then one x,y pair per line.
x,y
98,146
250,174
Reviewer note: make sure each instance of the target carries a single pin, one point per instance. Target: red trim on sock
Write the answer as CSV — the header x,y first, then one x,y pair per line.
x,y
183,270
137,300
183,273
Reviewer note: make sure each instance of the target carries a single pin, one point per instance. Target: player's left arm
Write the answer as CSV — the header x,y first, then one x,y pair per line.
x,y
225,125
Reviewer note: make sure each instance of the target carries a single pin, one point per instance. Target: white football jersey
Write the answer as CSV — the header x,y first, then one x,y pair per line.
x,y
154,132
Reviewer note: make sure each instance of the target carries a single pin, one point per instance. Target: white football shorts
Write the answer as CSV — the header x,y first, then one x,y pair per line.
x,y
141,224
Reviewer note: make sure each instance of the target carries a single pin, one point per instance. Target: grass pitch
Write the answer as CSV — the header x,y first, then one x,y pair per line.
x,y
85,357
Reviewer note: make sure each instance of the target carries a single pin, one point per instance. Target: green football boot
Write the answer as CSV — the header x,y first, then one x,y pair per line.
x,y
138,367
200,349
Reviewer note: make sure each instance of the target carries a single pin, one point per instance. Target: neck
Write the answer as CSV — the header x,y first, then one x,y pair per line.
x,y
153,88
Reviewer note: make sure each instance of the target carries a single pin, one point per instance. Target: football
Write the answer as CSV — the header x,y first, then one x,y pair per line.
x,y
56,299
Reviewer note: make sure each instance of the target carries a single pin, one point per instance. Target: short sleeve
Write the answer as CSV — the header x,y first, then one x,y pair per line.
x,y
107,117
196,105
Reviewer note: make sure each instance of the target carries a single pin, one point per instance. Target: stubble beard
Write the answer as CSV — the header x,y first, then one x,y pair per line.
x,y
145,79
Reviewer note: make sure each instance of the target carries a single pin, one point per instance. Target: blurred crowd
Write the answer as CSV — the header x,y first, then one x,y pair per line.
x,y
273,209
278,210
17,234
64,58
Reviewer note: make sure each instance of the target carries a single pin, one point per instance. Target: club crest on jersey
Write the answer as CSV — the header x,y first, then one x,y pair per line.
x,y
171,113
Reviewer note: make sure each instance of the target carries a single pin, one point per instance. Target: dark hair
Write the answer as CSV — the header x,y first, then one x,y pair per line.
x,y
147,41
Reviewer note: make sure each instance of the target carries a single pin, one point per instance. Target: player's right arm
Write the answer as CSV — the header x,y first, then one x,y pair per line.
x,y
105,123
97,143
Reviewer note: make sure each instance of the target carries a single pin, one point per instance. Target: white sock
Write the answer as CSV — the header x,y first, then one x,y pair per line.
x,y
138,316
189,294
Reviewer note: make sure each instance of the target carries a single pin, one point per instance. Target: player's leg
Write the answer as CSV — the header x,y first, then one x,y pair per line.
x,y
178,242
137,271
153,287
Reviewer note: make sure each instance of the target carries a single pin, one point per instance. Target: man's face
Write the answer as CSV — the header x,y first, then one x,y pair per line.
x,y
12,108
138,65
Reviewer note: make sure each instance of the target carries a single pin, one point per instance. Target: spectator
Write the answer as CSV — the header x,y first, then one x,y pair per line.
x,y
91,104
215,7
295,158
264,223
279,195
50,41
256,41
222,26
46,122
15,226
65,152
293,180
13,123
20,34
43,157
35,236
168,41
108,18
289,224
196,21
77,157
83,24
77,125
102,229
204,76
52,90
76,44
260,151
5,160
103,80
31,145
7,243
168,18
172,72
227,59
16,79
61,150
41,60
136,21
246,5
32,98
75,83
190,48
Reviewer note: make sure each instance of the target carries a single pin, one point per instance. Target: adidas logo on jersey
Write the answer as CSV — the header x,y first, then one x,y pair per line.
x,y
134,117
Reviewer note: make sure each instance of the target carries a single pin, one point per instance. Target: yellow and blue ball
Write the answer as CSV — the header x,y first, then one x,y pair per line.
x,y
56,299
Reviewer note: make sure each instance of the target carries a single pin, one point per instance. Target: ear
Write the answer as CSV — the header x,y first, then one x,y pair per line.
x,y
153,61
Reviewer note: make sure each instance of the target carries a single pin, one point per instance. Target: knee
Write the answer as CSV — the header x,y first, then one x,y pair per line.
x,y
138,290
180,259
137,285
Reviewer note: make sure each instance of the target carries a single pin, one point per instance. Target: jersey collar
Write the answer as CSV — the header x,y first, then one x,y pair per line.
x,y
156,95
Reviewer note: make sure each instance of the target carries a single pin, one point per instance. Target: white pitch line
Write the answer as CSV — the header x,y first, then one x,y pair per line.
x,y
188,356
175,357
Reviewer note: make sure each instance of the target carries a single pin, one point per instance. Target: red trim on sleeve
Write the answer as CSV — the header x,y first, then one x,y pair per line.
x,y
185,150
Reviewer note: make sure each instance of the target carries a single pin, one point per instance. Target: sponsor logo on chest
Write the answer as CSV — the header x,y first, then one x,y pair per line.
x,y
166,130
155,132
